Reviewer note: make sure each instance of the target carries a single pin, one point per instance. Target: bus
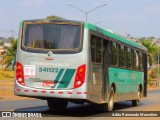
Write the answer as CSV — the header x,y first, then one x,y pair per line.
x,y
65,61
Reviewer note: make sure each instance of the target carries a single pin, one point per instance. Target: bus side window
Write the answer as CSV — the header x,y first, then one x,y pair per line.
x,y
135,61
113,54
121,56
96,49
93,48
140,61
128,58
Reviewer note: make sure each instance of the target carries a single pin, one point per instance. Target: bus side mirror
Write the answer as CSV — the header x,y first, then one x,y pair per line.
x,y
149,61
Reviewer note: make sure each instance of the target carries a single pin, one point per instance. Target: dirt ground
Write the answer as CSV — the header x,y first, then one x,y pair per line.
x,y
7,91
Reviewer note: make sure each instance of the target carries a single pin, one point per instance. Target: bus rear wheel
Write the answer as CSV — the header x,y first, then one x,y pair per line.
x,y
136,102
57,104
109,106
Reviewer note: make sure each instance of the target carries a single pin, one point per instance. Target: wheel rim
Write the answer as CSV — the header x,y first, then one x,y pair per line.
x,y
111,102
139,95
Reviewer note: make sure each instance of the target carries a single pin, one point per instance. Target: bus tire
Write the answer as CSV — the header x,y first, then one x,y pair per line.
x,y
136,102
109,106
57,104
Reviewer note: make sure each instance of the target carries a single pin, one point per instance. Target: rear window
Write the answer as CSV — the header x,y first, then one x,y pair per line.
x,y
51,36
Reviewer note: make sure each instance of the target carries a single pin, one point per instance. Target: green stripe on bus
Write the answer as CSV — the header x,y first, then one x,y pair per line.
x,y
113,35
59,75
21,23
66,78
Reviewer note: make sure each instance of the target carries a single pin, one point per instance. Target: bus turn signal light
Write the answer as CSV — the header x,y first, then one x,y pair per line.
x,y
19,73
80,76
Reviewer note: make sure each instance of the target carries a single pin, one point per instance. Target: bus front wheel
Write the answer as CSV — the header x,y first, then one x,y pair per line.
x,y
57,104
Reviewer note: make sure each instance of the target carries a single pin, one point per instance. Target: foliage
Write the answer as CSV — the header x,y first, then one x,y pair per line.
x,y
6,75
152,76
152,48
54,18
1,42
153,73
153,53
9,53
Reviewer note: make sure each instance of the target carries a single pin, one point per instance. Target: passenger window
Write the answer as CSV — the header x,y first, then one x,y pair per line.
x,y
93,49
121,56
113,54
135,61
96,49
128,65
140,61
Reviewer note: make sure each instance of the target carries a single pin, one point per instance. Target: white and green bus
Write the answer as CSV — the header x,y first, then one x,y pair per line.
x,y
65,61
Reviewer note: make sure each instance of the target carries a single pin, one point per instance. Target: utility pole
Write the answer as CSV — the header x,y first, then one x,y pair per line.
x,y
86,12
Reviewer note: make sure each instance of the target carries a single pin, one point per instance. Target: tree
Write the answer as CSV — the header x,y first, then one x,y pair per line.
x,y
152,48
54,18
9,54
1,43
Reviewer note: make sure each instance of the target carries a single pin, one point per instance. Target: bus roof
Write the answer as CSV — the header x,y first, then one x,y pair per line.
x,y
114,36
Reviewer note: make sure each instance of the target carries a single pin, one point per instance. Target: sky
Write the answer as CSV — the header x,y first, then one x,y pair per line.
x,y
139,18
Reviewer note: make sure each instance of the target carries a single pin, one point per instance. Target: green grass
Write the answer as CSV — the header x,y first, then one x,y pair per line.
x,y
6,75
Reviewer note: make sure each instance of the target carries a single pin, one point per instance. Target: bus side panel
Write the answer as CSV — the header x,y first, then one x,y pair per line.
x,y
126,82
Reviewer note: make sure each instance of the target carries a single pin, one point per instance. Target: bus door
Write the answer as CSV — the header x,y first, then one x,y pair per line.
x,y
145,73
106,55
96,74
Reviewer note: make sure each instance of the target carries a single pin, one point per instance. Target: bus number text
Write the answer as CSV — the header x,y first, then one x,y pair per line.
x,y
41,69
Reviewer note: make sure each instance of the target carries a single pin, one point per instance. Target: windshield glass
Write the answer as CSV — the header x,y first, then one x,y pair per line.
x,y
52,36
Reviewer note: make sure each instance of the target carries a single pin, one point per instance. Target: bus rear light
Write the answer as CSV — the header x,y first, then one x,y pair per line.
x,y
79,82
19,73
80,76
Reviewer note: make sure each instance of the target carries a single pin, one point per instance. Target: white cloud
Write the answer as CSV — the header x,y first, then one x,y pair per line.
x,y
27,3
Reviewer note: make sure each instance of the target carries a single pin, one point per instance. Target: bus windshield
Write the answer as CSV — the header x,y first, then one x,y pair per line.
x,y
51,36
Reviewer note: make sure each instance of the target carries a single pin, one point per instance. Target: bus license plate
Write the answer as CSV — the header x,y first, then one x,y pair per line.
x,y
47,84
